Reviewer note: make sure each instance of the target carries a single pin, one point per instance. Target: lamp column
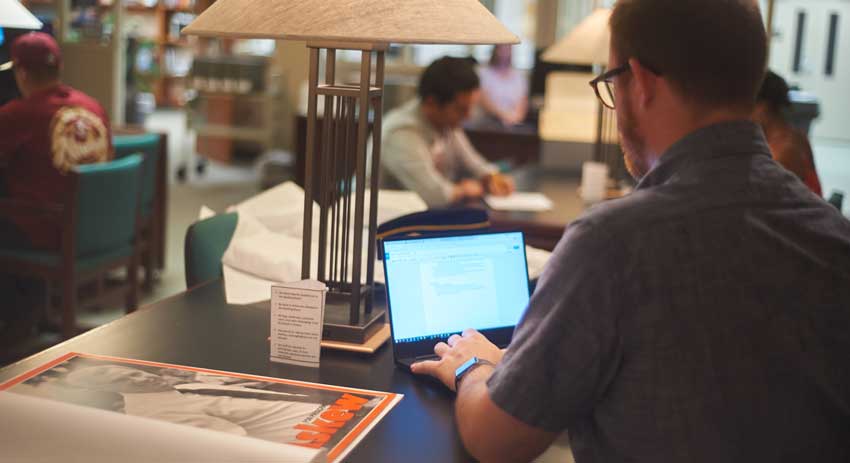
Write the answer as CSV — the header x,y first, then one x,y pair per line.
x,y
336,172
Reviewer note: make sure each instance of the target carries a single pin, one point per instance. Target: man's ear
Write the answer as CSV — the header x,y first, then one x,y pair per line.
x,y
645,82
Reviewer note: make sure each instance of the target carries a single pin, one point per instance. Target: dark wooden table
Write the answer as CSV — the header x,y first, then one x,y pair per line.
x,y
518,145
198,328
542,229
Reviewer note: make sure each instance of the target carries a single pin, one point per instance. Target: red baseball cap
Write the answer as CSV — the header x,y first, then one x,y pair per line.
x,y
36,50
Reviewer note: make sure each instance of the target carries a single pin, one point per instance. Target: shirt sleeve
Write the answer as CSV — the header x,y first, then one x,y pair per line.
x,y
406,156
471,160
566,349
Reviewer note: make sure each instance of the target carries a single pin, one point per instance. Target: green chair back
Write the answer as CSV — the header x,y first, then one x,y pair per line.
x,y
107,204
148,145
205,244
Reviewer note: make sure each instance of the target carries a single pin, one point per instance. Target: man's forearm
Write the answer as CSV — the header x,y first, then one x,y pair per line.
x,y
468,409
489,433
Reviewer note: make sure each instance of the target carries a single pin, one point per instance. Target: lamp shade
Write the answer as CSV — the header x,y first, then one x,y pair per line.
x,y
354,21
16,16
587,44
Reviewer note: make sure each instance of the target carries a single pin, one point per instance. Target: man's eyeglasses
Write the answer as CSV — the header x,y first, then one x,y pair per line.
x,y
603,85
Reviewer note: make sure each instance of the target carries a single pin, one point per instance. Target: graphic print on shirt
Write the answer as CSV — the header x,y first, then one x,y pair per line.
x,y
77,136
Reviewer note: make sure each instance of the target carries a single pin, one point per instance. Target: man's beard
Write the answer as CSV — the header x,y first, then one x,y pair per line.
x,y
632,142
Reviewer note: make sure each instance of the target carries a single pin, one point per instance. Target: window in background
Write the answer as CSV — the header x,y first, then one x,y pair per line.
x,y
518,15
830,46
572,12
798,42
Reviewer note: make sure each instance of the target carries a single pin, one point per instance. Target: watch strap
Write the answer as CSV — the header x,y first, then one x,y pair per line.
x,y
467,367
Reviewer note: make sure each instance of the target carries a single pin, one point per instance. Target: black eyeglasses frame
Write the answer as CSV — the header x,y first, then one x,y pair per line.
x,y
607,79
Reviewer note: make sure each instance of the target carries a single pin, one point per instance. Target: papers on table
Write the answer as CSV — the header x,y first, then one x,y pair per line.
x,y
266,246
519,201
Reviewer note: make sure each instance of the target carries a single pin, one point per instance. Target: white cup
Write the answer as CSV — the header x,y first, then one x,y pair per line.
x,y
594,181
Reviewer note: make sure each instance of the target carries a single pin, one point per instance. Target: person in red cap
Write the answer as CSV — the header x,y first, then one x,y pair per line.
x,y
48,131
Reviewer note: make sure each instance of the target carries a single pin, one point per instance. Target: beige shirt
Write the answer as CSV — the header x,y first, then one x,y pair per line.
x,y
417,157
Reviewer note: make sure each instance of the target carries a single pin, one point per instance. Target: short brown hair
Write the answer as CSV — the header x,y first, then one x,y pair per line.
x,y
714,52
446,77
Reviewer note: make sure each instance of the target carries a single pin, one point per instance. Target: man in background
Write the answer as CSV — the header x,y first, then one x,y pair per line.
x,y
790,147
704,317
504,91
43,135
424,147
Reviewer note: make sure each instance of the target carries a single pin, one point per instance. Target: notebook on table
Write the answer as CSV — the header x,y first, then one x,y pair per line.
x,y
440,285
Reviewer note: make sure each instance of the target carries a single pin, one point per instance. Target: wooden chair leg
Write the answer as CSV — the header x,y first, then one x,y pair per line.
x,y
132,301
148,257
69,301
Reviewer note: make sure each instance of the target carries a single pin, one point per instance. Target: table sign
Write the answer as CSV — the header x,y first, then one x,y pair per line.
x,y
298,313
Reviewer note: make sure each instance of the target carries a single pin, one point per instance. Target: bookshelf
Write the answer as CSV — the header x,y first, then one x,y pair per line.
x,y
162,59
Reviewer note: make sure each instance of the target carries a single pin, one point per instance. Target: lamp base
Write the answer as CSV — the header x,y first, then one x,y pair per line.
x,y
338,325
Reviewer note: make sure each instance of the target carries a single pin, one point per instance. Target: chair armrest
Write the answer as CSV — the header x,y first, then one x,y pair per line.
x,y
21,207
129,129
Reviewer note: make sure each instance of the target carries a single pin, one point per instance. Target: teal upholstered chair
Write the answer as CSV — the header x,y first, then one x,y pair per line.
x,y
99,224
206,241
151,241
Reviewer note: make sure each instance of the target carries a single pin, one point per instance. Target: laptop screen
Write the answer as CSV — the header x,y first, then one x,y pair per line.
x,y
439,286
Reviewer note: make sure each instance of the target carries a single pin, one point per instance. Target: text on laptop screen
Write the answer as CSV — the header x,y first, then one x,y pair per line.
x,y
439,286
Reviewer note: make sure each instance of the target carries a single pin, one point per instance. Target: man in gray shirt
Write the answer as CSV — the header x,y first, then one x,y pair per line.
x,y
704,318
424,147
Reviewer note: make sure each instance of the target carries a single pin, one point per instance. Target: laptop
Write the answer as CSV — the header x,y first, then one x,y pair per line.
x,y
438,286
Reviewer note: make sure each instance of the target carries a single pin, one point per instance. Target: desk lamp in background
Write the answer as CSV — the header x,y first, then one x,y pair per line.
x,y
13,15
336,157
588,44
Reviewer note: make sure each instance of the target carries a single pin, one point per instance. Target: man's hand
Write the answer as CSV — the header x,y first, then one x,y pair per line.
x,y
467,189
454,352
488,432
499,184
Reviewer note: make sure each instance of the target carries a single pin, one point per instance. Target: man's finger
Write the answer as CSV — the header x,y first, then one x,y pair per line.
x,y
441,348
425,367
469,332
453,339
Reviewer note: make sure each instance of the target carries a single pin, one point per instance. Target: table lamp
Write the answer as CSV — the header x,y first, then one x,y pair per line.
x,y
340,166
588,44
13,15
